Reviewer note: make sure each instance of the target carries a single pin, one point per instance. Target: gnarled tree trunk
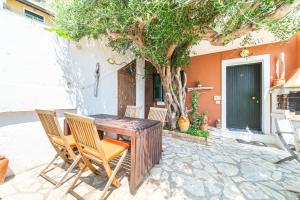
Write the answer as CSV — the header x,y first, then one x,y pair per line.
x,y
174,93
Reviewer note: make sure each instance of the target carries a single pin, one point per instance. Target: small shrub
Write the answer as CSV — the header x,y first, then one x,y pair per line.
x,y
197,132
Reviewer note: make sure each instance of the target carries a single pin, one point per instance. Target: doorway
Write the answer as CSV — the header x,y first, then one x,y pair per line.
x,y
243,94
126,87
265,88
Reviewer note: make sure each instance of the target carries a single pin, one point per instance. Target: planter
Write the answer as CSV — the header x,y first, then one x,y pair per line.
x,y
185,137
203,127
3,168
183,123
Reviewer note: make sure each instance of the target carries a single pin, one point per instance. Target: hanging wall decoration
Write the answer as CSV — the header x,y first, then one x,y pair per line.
x,y
97,77
280,71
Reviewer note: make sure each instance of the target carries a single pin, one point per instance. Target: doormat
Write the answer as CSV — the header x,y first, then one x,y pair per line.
x,y
256,143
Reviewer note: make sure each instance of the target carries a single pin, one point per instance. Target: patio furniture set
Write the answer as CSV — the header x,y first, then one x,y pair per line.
x,y
85,145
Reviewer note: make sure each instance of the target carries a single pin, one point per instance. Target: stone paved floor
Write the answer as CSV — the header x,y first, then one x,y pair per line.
x,y
224,169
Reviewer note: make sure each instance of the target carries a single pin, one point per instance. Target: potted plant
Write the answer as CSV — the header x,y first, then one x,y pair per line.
x,y
199,83
183,123
203,121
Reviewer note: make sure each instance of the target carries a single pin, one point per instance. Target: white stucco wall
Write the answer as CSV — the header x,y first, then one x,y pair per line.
x,y
40,70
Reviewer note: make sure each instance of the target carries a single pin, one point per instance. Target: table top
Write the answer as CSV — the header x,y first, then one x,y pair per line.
x,y
110,123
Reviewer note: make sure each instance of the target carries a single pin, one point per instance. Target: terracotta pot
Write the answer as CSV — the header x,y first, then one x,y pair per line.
x,y
3,168
183,123
203,127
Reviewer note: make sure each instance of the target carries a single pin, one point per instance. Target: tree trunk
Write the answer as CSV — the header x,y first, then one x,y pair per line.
x,y
174,97
171,106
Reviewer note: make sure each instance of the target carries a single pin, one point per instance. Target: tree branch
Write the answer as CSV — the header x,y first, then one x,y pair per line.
x,y
116,36
283,10
171,50
220,39
113,35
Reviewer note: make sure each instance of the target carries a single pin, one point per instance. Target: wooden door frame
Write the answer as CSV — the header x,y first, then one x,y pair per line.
x,y
265,77
133,61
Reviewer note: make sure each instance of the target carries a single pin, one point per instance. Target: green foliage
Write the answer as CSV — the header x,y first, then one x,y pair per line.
x,y
203,118
197,132
195,106
285,27
160,23
197,119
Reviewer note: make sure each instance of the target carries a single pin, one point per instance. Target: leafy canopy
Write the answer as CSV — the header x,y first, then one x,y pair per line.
x,y
163,30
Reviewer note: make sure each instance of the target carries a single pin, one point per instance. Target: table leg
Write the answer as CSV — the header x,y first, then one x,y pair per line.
x,y
133,173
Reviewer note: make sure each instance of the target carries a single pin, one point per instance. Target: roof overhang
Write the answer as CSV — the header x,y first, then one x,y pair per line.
x,y
294,81
259,38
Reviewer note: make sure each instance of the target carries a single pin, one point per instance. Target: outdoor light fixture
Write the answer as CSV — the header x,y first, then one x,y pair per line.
x,y
113,62
245,53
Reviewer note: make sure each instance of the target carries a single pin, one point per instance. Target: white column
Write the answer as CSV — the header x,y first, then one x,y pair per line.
x,y
140,85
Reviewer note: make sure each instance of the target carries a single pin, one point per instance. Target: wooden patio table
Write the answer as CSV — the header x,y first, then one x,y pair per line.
x,y
146,143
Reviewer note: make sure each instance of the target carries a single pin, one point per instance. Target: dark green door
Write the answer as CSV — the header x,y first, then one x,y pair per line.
x,y
243,96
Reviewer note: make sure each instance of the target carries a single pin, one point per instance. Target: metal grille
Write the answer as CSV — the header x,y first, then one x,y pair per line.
x,y
289,102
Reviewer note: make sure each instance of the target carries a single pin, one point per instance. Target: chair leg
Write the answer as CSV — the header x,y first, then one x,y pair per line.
x,y
112,177
285,159
288,149
52,161
73,165
76,179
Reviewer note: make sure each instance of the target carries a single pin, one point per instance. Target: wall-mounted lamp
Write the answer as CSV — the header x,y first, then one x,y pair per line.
x,y
113,62
245,53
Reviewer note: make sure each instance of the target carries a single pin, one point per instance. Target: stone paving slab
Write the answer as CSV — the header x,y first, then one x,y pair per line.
x,y
223,169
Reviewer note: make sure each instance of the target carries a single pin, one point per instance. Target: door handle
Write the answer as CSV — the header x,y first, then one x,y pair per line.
x,y
253,98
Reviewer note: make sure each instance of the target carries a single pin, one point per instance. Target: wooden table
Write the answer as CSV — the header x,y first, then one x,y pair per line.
x,y
146,143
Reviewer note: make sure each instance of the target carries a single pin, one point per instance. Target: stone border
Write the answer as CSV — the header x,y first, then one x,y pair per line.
x,y
185,137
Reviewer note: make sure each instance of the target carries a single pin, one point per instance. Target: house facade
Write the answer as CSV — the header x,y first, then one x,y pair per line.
x,y
31,9
238,94
213,69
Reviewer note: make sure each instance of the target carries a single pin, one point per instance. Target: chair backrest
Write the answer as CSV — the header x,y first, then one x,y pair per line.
x,y
52,128
50,123
132,111
158,114
85,133
284,126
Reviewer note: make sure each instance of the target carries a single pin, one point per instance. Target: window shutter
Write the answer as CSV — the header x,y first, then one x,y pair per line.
x,y
157,88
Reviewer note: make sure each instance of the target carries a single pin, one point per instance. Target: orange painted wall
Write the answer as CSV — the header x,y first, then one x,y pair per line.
x,y
298,50
207,69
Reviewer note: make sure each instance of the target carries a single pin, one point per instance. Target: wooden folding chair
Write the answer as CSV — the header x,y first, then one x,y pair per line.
x,y
132,111
158,114
95,151
62,144
284,126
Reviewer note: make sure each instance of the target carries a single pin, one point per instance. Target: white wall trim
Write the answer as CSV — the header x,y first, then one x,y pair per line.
x,y
265,60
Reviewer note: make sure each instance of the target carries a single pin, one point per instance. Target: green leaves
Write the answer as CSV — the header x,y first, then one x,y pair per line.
x,y
149,28
197,132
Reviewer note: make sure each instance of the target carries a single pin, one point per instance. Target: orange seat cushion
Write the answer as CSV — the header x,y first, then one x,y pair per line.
x,y
69,138
112,148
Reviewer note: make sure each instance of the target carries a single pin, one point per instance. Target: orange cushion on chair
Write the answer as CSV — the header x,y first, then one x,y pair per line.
x,y
3,168
69,138
112,148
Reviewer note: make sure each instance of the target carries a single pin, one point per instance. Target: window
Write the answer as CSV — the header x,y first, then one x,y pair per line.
x,y
158,92
33,16
157,88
